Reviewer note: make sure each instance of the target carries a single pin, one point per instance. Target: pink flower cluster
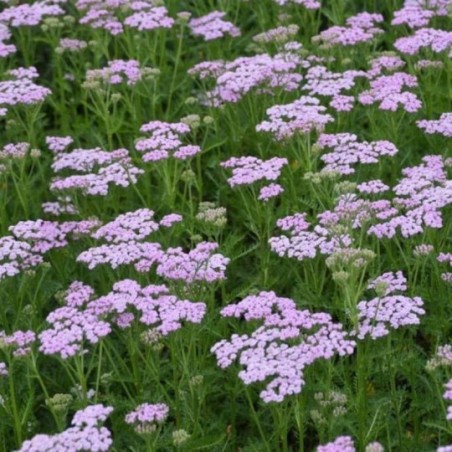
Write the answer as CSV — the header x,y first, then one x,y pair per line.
x,y
16,256
20,341
304,244
320,81
124,236
303,116
383,63
388,92
414,16
442,126
108,15
388,310
346,444
340,444
72,45
448,396
347,152
288,341
434,39
201,264
30,14
44,235
63,206
212,26
5,35
235,79
125,246
446,258
165,141
58,144
85,318
249,170
14,151
101,168
421,194
145,416
20,89
418,13
86,433
374,186
358,29
116,72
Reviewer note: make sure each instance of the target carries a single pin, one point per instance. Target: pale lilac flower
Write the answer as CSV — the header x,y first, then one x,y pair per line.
x,y
16,256
432,39
448,396
165,140
14,151
128,227
278,352
19,341
86,433
249,170
270,191
358,29
388,283
441,126
86,318
142,15
340,444
414,16
388,310
212,26
388,92
442,357
372,187
383,63
374,447
58,144
420,195
141,255
320,81
29,15
3,370
235,79
21,90
201,264
347,152
44,235
63,206
116,72
146,416
5,35
300,243
101,168
302,116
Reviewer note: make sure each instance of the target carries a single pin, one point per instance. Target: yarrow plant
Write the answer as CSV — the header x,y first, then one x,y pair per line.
x,y
212,26
225,225
388,310
165,141
288,341
86,433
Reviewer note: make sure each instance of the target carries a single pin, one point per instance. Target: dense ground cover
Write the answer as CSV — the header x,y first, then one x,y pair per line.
x,y
225,225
